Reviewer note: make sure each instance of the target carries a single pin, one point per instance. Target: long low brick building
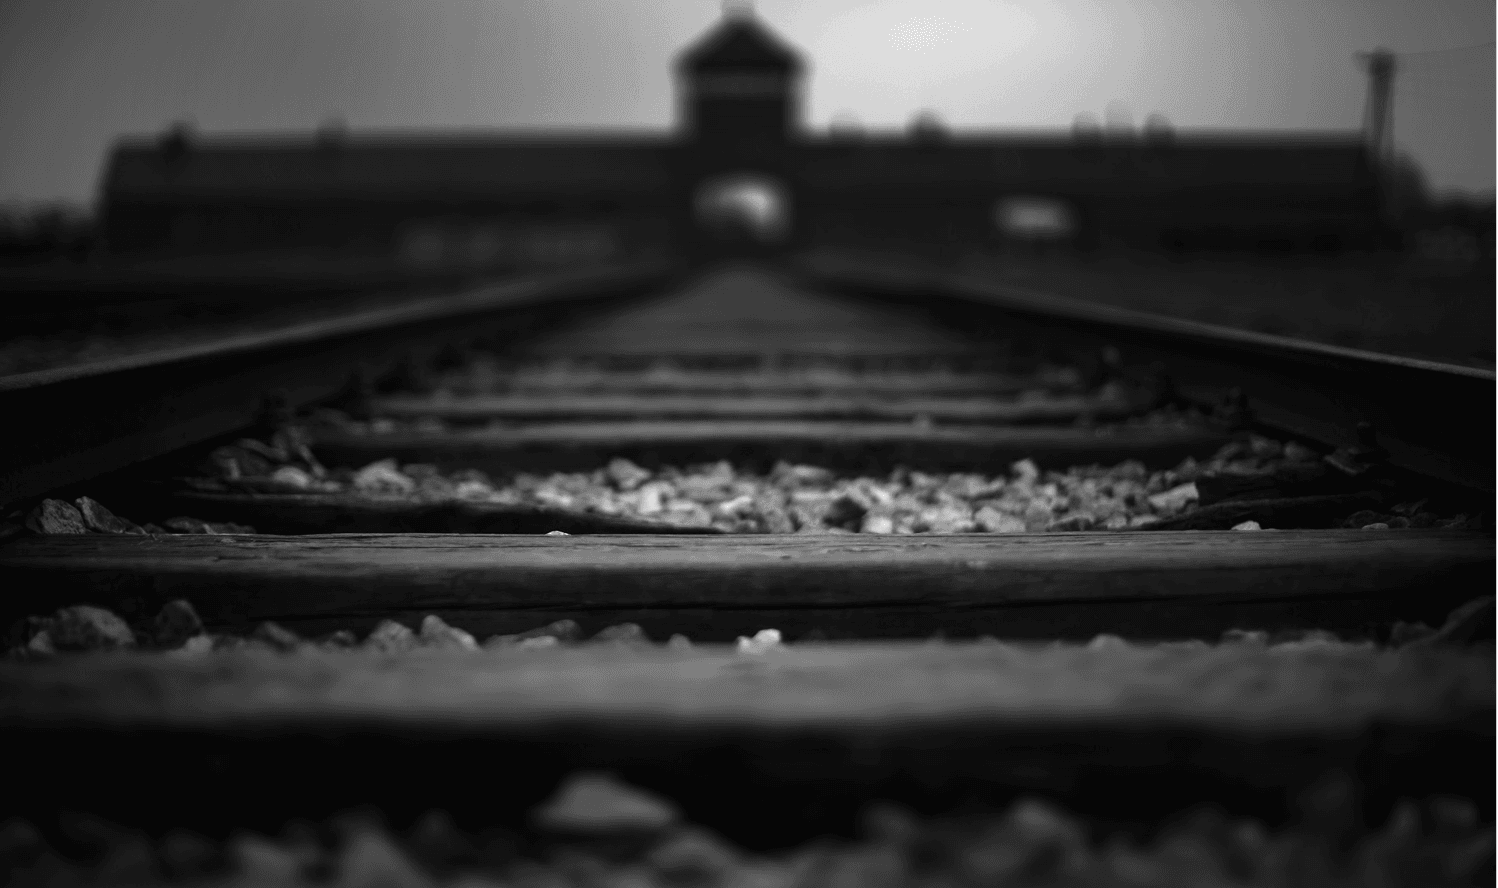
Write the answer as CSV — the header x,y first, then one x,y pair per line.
x,y
476,195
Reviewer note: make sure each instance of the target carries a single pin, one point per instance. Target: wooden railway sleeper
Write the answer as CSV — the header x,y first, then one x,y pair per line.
x,y
514,584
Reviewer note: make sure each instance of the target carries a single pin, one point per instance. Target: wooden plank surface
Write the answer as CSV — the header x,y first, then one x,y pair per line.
x,y
138,407
205,275
315,513
472,301
1064,585
812,732
1315,391
578,445
1054,409
825,381
749,310
1233,689
917,275
1327,510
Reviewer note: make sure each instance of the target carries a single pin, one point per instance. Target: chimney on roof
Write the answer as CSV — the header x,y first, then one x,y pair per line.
x,y
1158,130
1085,128
927,127
176,142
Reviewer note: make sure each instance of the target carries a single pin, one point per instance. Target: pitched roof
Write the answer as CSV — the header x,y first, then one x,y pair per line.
x,y
739,41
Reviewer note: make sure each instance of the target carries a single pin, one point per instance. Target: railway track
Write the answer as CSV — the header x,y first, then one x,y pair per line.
x,y
866,462
86,419
39,296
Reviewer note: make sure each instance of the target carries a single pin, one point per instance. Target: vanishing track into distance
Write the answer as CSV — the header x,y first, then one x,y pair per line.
x,y
872,455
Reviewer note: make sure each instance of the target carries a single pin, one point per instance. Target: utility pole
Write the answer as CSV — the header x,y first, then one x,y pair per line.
x,y
1378,117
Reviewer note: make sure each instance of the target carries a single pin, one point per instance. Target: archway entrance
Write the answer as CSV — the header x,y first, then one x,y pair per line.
x,y
742,213
1037,224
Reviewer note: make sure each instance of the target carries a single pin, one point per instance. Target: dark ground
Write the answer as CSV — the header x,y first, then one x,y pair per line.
x,y
1399,304
1396,303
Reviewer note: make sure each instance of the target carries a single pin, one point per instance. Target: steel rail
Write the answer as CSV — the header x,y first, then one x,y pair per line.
x,y
72,423
1430,418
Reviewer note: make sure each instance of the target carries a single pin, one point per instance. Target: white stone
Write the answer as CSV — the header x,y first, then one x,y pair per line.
x,y
293,478
763,640
1247,525
1176,498
1245,636
382,478
370,859
651,498
55,516
1265,448
625,474
1037,517
195,646
1026,471
41,644
437,633
991,520
1106,642
85,627
1296,452
473,489
176,623
260,861
600,804
693,855
736,505
102,520
391,637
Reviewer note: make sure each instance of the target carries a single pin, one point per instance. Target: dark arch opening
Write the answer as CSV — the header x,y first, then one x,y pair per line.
x,y
1037,223
743,209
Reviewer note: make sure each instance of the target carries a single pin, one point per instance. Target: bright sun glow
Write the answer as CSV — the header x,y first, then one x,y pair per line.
x,y
970,60
938,38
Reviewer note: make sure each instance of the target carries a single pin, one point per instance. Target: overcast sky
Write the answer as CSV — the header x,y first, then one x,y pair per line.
x,y
76,73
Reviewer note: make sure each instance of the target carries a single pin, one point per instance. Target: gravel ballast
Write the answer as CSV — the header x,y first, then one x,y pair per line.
x,y
177,630
596,830
787,499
